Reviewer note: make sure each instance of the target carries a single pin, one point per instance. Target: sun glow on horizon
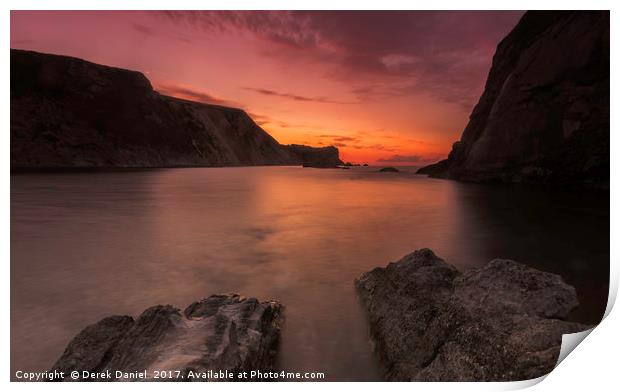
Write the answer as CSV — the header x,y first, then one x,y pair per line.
x,y
383,87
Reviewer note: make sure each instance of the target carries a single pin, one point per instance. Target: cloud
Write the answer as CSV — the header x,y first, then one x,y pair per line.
x,y
375,147
340,138
346,139
193,95
401,159
281,27
190,94
294,97
381,54
142,29
356,142
261,119
153,32
18,42
394,62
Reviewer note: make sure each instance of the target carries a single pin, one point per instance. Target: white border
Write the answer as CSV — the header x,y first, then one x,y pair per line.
x,y
593,364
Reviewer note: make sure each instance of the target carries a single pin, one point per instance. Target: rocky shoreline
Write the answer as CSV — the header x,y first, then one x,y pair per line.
x,y
428,321
222,334
500,322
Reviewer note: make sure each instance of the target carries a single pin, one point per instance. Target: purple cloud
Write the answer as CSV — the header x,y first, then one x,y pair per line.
x,y
193,95
294,97
381,54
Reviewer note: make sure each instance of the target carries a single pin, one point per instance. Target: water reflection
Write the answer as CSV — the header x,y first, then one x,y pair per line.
x,y
87,245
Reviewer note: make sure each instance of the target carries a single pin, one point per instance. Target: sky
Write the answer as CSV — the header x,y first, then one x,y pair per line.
x,y
383,86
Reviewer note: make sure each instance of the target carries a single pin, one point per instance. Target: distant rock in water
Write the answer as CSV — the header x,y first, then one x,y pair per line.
x,y
544,114
320,157
389,169
501,322
68,113
219,333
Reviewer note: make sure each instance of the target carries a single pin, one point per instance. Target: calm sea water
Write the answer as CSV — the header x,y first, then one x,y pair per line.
x,y
88,245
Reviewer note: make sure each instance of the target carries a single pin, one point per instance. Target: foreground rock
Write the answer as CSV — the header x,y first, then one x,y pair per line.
x,y
544,114
501,322
71,113
220,333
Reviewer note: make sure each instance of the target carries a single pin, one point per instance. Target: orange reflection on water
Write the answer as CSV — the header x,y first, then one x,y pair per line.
x,y
121,242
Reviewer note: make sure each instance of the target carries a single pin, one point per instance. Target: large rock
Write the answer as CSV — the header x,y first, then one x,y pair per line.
x,y
67,113
222,333
320,157
544,114
501,322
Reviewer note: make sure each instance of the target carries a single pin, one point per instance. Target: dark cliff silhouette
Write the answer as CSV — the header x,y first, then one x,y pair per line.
x,y
544,114
70,113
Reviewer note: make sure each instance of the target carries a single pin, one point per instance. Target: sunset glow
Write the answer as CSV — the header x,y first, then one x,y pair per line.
x,y
384,87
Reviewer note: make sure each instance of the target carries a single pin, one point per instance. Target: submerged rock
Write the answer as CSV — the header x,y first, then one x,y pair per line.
x,y
501,322
389,169
222,333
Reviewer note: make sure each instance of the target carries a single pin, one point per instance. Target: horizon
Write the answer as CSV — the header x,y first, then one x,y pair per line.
x,y
319,78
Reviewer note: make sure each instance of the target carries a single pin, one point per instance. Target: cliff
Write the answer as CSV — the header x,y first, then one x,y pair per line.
x,y
67,113
544,114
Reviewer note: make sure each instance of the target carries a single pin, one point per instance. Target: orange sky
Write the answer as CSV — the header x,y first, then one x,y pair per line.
x,y
382,86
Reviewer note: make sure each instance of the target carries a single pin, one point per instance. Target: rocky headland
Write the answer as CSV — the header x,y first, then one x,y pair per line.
x,y
71,113
319,157
544,114
500,322
222,334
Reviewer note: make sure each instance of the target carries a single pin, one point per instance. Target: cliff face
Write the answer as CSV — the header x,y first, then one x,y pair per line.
x,y
544,113
67,112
